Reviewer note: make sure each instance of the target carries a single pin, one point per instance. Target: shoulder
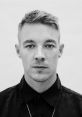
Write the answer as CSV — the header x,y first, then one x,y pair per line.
x,y
7,94
72,97
69,92
7,91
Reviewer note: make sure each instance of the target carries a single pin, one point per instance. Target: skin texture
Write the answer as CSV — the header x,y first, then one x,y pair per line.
x,y
31,54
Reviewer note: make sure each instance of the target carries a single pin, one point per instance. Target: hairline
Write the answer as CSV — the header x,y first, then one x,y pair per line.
x,y
32,23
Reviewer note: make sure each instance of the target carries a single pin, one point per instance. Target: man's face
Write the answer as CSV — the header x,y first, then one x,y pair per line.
x,y
39,50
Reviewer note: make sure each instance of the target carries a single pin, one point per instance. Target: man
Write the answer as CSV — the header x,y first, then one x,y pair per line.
x,y
40,93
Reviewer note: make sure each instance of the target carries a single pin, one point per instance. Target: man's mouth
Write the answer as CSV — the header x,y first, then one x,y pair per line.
x,y
40,67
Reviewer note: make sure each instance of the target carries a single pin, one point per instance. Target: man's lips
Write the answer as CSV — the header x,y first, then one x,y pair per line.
x,y
39,67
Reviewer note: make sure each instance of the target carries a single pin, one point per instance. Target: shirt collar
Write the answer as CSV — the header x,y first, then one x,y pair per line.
x,y
50,96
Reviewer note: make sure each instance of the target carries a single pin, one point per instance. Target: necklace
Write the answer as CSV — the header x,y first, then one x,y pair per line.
x,y
31,114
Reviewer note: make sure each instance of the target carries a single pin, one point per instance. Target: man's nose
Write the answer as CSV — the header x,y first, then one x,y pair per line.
x,y
39,56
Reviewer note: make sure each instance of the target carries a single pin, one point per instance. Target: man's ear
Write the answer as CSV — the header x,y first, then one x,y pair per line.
x,y
61,50
17,50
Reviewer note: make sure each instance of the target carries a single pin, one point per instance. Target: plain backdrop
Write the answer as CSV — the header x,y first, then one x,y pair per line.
x,y
69,13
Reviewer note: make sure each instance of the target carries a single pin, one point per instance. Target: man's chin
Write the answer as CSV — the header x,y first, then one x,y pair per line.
x,y
40,78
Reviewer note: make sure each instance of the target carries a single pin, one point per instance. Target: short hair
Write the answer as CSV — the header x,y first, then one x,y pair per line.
x,y
42,17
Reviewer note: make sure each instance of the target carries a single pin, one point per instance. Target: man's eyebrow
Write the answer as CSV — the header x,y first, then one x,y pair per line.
x,y
47,41
50,40
28,41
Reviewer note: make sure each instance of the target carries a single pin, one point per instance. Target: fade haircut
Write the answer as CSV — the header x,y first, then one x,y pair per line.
x,y
40,17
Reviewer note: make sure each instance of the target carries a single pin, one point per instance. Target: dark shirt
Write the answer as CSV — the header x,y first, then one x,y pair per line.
x,y
57,100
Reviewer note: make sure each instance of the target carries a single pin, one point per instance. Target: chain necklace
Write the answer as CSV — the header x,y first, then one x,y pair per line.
x,y
31,114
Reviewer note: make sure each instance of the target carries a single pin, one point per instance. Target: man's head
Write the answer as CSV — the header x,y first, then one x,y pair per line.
x,y
39,46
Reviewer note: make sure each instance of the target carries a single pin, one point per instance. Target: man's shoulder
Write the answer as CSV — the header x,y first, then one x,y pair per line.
x,y
70,92
8,92
72,96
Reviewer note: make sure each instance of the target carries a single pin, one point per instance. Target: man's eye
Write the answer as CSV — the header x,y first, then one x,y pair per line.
x,y
49,46
30,46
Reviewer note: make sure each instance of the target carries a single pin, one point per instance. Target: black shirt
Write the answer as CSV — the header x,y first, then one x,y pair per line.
x,y
21,100
41,104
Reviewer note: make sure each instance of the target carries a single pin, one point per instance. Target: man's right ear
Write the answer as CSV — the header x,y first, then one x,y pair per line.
x,y
17,50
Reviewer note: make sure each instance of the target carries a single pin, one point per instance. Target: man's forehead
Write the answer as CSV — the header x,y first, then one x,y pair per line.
x,y
37,27
32,32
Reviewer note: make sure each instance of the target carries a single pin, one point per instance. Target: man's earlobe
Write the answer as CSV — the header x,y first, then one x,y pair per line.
x,y
61,49
17,50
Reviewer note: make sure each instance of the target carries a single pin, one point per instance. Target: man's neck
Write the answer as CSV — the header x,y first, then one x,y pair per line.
x,y
41,86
